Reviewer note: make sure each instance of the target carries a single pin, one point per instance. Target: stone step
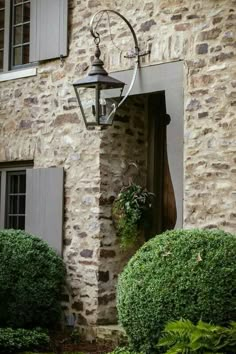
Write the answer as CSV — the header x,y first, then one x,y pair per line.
x,y
113,334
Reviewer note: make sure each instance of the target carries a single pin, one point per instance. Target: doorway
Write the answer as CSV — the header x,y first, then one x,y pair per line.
x,y
164,83
159,179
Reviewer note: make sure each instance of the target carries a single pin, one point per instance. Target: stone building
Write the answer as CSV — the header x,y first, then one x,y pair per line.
x,y
68,176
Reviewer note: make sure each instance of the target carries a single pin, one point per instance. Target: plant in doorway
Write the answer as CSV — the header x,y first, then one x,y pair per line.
x,y
131,214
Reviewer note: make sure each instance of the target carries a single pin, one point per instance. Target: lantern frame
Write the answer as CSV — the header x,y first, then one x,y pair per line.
x,y
99,80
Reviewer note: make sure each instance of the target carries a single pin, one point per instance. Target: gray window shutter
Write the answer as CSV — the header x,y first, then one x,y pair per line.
x,y
44,205
48,29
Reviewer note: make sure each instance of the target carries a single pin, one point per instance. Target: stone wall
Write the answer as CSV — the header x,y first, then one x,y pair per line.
x,y
40,121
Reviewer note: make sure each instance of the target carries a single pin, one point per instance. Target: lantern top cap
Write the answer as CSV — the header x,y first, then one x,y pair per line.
x,y
104,81
98,76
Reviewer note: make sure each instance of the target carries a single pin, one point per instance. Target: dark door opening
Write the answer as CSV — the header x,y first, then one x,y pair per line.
x,y
159,178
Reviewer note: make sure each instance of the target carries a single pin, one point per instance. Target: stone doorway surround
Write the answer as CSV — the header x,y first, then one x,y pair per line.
x,y
166,77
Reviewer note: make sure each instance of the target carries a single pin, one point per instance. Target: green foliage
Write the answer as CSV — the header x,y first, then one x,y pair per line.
x,y
131,213
74,336
184,337
179,274
124,350
31,280
13,341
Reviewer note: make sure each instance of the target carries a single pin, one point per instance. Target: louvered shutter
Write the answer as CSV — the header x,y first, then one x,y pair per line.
x,y
44,205
48,29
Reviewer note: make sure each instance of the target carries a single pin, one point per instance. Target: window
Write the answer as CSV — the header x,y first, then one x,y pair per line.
x,y
31,199
20,32
31,31
12,197
15,200
2,32
14,33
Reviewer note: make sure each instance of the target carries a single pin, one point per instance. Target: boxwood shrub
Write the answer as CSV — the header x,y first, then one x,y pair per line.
x,y
31,280
18,340
180,274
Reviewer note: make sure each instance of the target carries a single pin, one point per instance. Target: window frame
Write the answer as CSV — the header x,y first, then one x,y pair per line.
x,y
12,27
8,40
18,214
4,169
6,46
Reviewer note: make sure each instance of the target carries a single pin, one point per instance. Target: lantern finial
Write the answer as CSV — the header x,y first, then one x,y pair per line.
x,y
97,64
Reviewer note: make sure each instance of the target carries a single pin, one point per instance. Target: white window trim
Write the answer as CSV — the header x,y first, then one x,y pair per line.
x,y
18,74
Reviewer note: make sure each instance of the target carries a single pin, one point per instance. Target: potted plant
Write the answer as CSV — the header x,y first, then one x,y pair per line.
x,y
131,213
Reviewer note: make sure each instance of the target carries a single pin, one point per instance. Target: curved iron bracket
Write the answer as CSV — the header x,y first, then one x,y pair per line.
x,y
96,34
136,53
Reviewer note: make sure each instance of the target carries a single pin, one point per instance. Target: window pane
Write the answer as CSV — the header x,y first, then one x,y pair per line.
x,y
12,222
18,1
17,35
1,60
21,204
18,17
26,33
1,19
21,222
1,39
12,204
25,54
26,15
22,187
2,4
17,56
13,183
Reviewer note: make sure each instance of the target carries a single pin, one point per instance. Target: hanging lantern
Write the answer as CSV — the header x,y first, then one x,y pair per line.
x,y
96,92
96,107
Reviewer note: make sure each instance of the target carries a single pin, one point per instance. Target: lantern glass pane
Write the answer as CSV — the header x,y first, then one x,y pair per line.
x,y
98,107
111,99
87,98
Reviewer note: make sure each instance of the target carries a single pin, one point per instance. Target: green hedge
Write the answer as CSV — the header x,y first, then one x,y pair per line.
x,y
31,280
179,274
18,340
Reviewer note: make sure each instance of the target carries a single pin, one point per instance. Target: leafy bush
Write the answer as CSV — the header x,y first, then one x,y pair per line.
x,y
31,280
179,274
123,350
131,213
13,341
184,337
